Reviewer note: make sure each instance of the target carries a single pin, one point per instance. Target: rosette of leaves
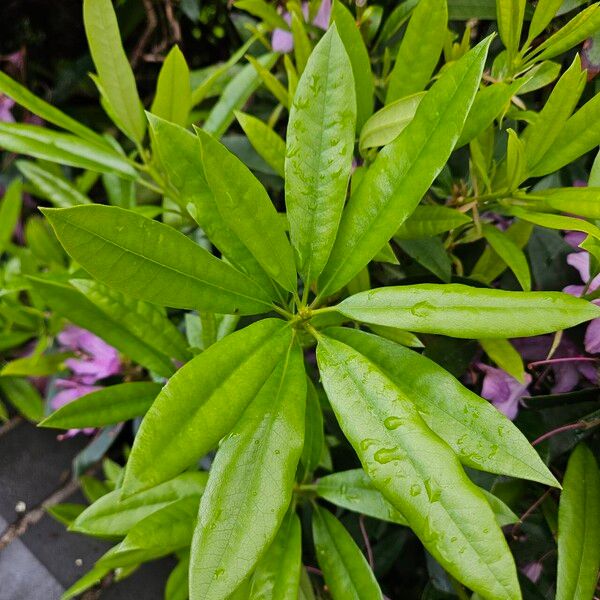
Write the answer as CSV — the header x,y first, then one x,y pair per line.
x,y
251,396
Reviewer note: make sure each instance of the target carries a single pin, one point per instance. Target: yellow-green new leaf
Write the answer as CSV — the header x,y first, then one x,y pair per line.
x,y
389,122
250,484
172,100
510,253
267,142
510,15
10,211
318,162
346,571
465,312
545,11
506,356
556,221
403,171
582,201
429,221
481,436
203,401
579,527
151,261
420,49
417,472
540,135
114,73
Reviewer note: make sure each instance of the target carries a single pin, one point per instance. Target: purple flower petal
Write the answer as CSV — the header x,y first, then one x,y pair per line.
x,y
592,337
574,238
322,17
282,41
581,262
70,390
503,390
532,571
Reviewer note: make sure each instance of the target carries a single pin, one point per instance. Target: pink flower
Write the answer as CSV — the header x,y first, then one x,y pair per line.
x,y
6,105
532,571
70,390
581,262
283,41
97,359
503,390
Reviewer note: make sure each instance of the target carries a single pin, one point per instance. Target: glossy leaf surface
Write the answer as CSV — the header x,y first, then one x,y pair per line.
x,y
403,171
417,472
250,484
482,437
151,261
203,401
461,311
320,140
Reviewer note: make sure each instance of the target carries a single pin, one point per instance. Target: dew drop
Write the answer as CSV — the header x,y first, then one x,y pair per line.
x,y
415,489
392,423
387,455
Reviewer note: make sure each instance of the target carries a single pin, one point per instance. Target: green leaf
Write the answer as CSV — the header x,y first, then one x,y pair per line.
x,y
427,221
350,35
151,261
302,43
430,253
165,530
21,95
271,82
269,145
109,405
417,472
235,95
510,253
403,171
114,73
247,210
575,31
582,201
10,211
540,76
144,320
482,437
579,527
465,312
354,491
489,103
66,512
180,155
320,141
540,135
172,100
203,401
314,437
510,14
389,122
63,148
135,328
556,221
580,134
23,396
250,484
420,49
545,11
264,11
35,365
505,355
490,265
57,190
405,338
277,575
177,583
113,516
346,571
